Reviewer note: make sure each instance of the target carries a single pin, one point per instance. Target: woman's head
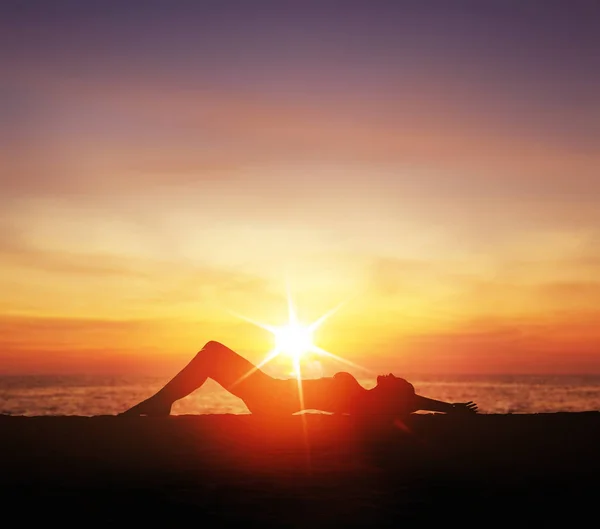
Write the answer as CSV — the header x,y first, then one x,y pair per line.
x,y
393,396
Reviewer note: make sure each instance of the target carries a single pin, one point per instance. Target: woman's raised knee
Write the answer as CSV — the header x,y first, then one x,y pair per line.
x,y
210,348
212,345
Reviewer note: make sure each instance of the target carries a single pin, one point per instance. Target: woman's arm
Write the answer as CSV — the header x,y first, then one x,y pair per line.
x,y
427,404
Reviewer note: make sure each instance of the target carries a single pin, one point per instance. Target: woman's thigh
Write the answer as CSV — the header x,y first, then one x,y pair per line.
x,y
238,375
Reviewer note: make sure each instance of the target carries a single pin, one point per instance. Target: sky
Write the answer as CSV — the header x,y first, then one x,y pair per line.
x,y
434,167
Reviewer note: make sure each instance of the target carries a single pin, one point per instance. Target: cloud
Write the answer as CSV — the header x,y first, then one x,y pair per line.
x,y
95,136
427,296
53,282
565,344
69,263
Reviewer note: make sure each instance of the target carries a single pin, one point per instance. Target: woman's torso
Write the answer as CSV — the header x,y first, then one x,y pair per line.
x,y
338,394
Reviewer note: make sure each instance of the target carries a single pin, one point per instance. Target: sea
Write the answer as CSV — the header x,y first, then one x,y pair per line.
x,y
92,395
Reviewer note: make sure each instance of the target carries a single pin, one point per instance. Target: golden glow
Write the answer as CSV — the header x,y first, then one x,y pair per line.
x,y
294,339
120,249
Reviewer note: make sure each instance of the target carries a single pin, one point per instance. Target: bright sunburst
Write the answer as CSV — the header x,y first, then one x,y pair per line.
x,y
295,339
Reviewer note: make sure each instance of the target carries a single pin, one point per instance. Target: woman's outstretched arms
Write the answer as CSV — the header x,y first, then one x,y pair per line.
x,y
427,404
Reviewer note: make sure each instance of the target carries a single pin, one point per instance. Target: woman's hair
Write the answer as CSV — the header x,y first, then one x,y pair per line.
x,y
394,395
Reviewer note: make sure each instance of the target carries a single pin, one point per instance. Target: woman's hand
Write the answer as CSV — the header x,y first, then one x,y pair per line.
x,y
464,407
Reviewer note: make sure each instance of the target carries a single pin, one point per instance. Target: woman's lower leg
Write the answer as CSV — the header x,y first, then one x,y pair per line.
x,y
214,360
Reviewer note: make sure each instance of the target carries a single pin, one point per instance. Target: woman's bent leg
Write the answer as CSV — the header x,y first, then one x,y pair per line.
x,y
232,371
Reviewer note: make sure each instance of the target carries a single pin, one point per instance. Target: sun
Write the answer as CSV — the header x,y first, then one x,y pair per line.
x,y
294,340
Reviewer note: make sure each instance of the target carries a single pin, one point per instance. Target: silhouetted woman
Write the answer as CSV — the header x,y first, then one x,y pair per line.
x,y
262,394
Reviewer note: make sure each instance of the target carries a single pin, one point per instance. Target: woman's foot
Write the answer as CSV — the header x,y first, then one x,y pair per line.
x,y
152,407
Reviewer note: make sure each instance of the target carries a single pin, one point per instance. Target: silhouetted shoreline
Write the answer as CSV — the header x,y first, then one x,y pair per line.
x,y
302,471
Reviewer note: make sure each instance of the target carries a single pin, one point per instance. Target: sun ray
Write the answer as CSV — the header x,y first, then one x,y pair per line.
x,y
273,354
316,324
324,352
293,320
264,326
298,370
295,339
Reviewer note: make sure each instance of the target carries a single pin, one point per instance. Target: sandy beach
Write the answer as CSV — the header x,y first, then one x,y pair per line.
x,y
302,471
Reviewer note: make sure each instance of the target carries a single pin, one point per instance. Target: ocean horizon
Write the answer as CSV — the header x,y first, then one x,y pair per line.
x,y
91,395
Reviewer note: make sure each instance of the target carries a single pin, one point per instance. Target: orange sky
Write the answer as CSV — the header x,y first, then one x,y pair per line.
x,y
451,203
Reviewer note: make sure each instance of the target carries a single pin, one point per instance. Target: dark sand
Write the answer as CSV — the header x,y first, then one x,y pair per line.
x,y
324,471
